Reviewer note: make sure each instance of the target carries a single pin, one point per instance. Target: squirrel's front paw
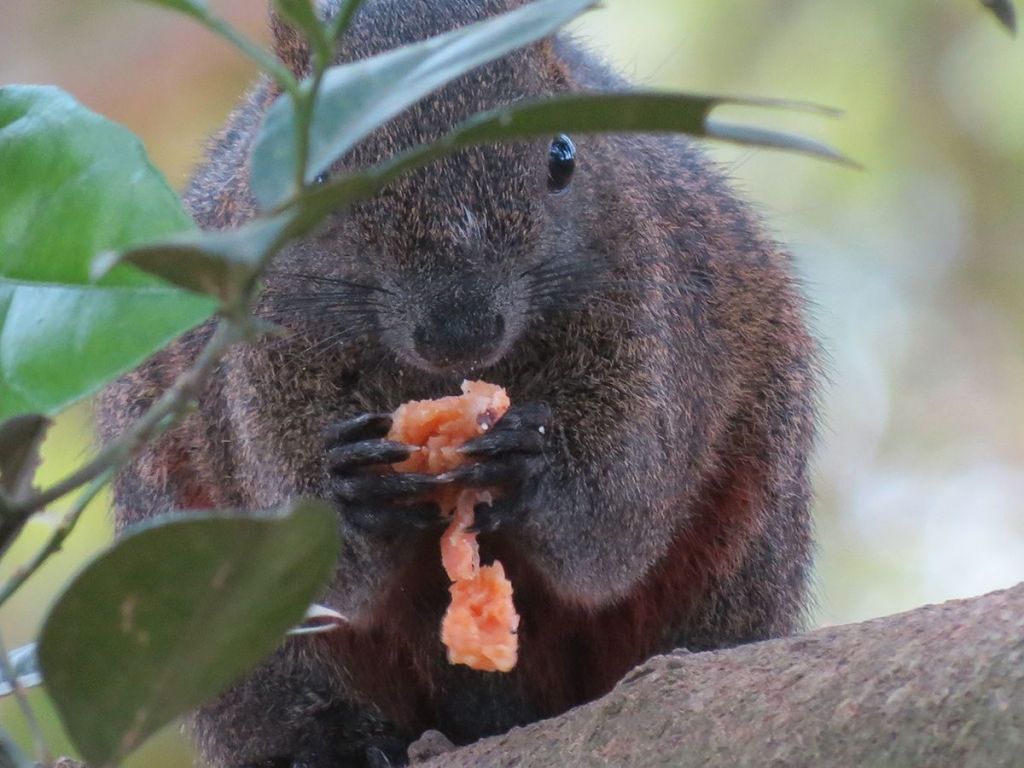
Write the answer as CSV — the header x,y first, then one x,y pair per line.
x,y
371,500
510,457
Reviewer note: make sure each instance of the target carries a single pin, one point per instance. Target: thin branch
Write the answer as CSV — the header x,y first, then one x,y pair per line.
x,y
344,19
306,105
265,60
171,405
56,539
304,109
42,749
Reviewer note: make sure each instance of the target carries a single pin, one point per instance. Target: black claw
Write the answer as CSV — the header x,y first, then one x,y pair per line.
x,y
489,517
508,456
390,519
487,473
364,488
530,416
497,442
350,456
364,427
375,758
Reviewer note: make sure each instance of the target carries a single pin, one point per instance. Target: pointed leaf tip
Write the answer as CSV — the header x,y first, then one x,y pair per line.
x,y
1005,11
20,438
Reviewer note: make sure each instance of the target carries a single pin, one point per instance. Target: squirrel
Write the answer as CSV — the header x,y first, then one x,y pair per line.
x,y
652,338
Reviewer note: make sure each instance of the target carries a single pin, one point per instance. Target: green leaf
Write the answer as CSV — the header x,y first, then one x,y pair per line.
x,y
577,113
20,438
1004,11
75,184
356,98
174,613
217,263
26,668
11,755
635,112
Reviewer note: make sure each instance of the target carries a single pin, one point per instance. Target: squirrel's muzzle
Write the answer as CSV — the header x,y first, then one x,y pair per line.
x,y
460,335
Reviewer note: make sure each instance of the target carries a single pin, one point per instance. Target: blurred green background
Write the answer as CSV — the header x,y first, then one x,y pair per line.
x,y
915,265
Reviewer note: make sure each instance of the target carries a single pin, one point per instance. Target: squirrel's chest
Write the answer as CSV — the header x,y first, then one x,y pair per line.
x,y
566,656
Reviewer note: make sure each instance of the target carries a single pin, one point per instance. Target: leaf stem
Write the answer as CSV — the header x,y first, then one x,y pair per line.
x,y
42,749
344,19
305,105
264,59
304,120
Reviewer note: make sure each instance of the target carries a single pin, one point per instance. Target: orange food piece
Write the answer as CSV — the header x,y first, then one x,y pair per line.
x,y
460,554
479,628
441,426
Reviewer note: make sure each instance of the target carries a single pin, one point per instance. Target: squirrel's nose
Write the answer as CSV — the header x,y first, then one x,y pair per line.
x,y
453,336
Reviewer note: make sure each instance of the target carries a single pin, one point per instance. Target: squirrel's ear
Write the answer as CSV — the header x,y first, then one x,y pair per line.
x,y
290,45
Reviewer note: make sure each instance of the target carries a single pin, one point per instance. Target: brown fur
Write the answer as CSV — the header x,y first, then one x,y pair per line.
x,y
583,652
670,346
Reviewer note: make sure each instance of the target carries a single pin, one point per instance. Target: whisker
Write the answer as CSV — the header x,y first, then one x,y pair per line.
x,y
321,345
331,281
325,301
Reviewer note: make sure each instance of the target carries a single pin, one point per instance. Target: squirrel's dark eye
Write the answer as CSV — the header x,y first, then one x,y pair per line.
x,y
321,179
561,164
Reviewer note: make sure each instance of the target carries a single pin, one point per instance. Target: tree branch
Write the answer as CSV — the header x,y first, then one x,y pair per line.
x,y
938,686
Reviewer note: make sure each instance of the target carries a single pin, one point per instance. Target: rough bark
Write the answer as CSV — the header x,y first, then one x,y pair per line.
x,y
938,686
